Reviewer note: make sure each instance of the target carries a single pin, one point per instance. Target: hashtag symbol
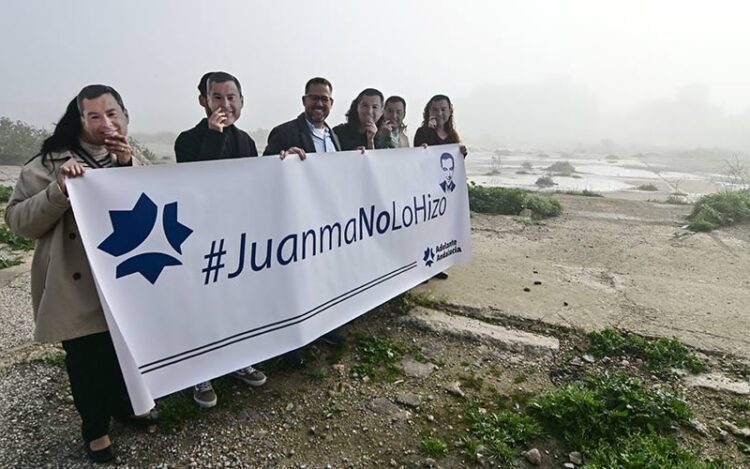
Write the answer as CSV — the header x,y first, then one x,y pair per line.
x,y
214,267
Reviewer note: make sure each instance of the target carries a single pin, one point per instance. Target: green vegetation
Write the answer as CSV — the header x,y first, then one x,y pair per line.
x,y
659,354
13,241
676,200
176,410
741,404
504,201
317,374
545,181
5,192
720,209
647,187
648,451
376,357
612,158
604,409
55,359
5,262
19,141
561,168
527,165
502,433
583,193
142,150
434,447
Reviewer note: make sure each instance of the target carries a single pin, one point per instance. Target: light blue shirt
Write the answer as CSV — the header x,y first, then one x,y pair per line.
x,y
321,138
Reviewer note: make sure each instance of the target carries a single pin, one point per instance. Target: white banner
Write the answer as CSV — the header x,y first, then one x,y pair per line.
x,y
204,268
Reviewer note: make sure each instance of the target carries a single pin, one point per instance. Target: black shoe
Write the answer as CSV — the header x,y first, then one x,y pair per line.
x,y
148,422
440,275
100,455
333,338
294,358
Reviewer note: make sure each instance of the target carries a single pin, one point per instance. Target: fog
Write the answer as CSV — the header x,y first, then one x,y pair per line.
x,y
538,73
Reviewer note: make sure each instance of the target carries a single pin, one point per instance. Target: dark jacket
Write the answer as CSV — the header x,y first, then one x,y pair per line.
x,y
201,143
294,133
351,139
430,137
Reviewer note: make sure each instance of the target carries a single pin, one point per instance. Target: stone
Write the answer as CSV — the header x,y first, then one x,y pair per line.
x,y
718,382
481,331
533,456
409,399
339,369
588,358
735,430
383,406
569,465
415,369
576,458
455,389
699,427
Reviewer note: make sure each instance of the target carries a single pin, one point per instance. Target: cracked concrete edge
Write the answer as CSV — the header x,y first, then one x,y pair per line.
x,y
514,340
509,319
9,274
27,353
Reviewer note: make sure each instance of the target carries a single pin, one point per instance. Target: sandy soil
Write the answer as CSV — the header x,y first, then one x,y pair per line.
x,y
609,262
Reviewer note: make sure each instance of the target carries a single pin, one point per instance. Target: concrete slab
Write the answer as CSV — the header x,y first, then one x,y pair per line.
x,y
502,337
650,278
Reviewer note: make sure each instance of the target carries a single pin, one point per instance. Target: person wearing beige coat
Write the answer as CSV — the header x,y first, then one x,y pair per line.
x,y
91,134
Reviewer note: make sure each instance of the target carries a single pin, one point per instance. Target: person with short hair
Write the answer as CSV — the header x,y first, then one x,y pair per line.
x,y
393,128
363,119
216,137
92,134
309,132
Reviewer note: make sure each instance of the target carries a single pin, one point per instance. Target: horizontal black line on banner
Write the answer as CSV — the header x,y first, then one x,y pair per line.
x,y
176,358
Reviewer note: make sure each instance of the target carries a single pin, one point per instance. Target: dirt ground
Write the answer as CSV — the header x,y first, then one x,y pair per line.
x,y
604,262
611,262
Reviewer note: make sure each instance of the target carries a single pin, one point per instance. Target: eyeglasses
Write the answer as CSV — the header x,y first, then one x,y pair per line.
x,y
319,98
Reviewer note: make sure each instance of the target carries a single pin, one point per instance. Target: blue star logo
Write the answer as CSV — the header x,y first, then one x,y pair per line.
x,y
130,228
429,257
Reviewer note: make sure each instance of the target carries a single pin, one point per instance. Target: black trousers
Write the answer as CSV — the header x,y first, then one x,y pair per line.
x,y
96,382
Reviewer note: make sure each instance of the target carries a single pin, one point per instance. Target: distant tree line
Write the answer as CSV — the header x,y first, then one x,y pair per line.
x,y
20,141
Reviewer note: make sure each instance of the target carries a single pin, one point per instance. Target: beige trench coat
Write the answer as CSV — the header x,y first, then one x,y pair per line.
x,y
66,304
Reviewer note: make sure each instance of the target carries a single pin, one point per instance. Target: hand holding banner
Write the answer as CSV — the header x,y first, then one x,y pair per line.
x,y
205,268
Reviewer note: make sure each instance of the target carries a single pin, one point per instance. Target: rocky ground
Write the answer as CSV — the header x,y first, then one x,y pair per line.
x,y
415,366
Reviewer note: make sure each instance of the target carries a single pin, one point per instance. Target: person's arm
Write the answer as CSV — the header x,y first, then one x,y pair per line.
x,y
253,148
420,137
37,203
275,143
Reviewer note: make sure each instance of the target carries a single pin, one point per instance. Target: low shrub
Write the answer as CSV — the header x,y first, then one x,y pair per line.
x,y
5,192
561,168
545,181
511,201
720,209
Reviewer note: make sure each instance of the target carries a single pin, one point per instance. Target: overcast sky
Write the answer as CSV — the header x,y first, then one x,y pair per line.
x,y
518,71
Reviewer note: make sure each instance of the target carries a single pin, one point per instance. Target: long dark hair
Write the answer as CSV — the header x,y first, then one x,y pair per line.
x,y
450,126
66,136
352,116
